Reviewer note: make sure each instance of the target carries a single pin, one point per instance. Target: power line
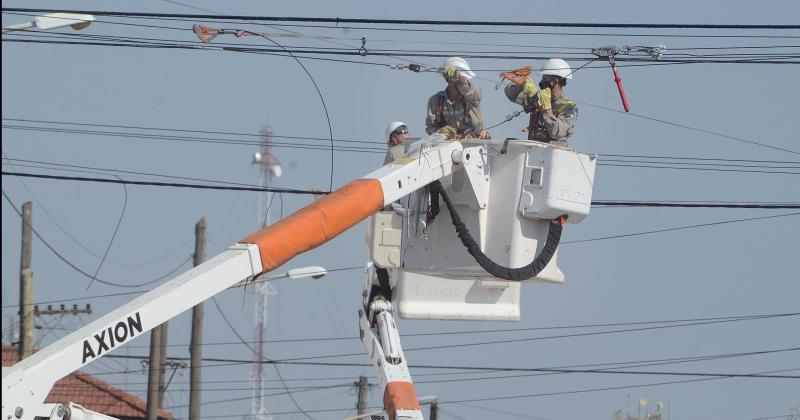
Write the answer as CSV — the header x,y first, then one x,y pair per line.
x,y
514,369
684,126
340,27
163,184
256,353
560,51
85,274
530,339
381,143
379,53
628,235
581,391
338,20
298,191
73,238
518,330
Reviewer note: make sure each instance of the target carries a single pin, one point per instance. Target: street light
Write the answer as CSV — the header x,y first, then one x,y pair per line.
x,y
314,272
53,21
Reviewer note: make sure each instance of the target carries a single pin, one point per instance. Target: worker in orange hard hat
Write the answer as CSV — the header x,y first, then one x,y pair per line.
x,y
396,136
456,111
553,115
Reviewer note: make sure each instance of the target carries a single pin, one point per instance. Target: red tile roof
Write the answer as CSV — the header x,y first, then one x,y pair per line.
x,y
86,390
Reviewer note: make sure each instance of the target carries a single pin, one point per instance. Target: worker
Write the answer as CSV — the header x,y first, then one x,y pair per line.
x,y
396,136
456,111
553,115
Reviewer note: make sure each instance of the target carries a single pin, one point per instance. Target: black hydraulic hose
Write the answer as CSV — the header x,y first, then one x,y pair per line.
x,y
514,274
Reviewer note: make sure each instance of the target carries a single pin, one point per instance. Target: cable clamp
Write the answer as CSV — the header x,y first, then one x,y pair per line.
x,y
363,50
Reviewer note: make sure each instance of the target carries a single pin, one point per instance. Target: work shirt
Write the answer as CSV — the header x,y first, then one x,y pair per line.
x,y
395,152
556,128
463,114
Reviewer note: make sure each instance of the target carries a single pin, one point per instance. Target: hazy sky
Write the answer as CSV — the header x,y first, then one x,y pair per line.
x,y
733,269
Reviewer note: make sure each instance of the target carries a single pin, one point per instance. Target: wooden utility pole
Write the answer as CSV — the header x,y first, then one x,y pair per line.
x,y
434,410
195,349
26,284
162,364
154,376
363,384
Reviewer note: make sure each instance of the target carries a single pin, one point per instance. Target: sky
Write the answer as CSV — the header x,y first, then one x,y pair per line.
x,y
721,270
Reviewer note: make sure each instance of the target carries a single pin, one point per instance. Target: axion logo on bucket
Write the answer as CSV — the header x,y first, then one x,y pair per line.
x,y
112,336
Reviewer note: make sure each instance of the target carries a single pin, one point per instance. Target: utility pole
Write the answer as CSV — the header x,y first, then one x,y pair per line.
x,y
434,410
154,376
26,284
162,362
195,349
363,384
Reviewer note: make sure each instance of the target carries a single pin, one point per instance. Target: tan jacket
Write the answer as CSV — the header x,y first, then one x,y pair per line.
x,y
464,115
395,152
557,127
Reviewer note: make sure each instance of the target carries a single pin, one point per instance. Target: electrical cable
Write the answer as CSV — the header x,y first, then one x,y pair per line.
x,y
72,237
789,59
339,21
313,192
85,274
512,330
522,340
628,235
233,330
546,370
113,235
62,300
581,391
699,130
139,127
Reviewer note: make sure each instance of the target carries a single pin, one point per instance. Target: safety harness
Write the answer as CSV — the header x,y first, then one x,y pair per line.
x,y
537,112
440,121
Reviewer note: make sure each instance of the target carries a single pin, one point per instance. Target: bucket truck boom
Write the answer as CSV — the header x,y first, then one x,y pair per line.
x,y
507,203
26,384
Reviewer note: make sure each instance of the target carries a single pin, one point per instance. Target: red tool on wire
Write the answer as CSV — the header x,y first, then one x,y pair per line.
x,y
610,52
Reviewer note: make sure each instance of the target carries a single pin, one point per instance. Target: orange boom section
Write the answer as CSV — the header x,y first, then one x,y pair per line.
x,y
317,223
399,395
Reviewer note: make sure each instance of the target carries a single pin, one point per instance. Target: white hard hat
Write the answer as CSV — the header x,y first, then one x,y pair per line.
x,y
394,125
461,65
557,67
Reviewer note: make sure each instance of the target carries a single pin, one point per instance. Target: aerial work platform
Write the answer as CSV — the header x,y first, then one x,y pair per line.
x,y
507,196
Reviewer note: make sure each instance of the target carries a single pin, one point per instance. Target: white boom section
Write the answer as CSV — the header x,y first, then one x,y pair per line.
x,y
26,384
383,346
408,174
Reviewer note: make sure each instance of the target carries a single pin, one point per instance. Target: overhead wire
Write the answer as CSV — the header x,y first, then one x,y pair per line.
x,y
672,229
256,353
525,339
78,269
789,60
338,20
72,237
618,203
354,141
518,330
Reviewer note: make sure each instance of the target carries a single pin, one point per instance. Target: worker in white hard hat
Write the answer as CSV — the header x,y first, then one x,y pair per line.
x,y
396,136
553,115
456,111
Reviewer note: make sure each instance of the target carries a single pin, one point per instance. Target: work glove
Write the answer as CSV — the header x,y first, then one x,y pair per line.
x,y
447,131
450,73
530,87
545,97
